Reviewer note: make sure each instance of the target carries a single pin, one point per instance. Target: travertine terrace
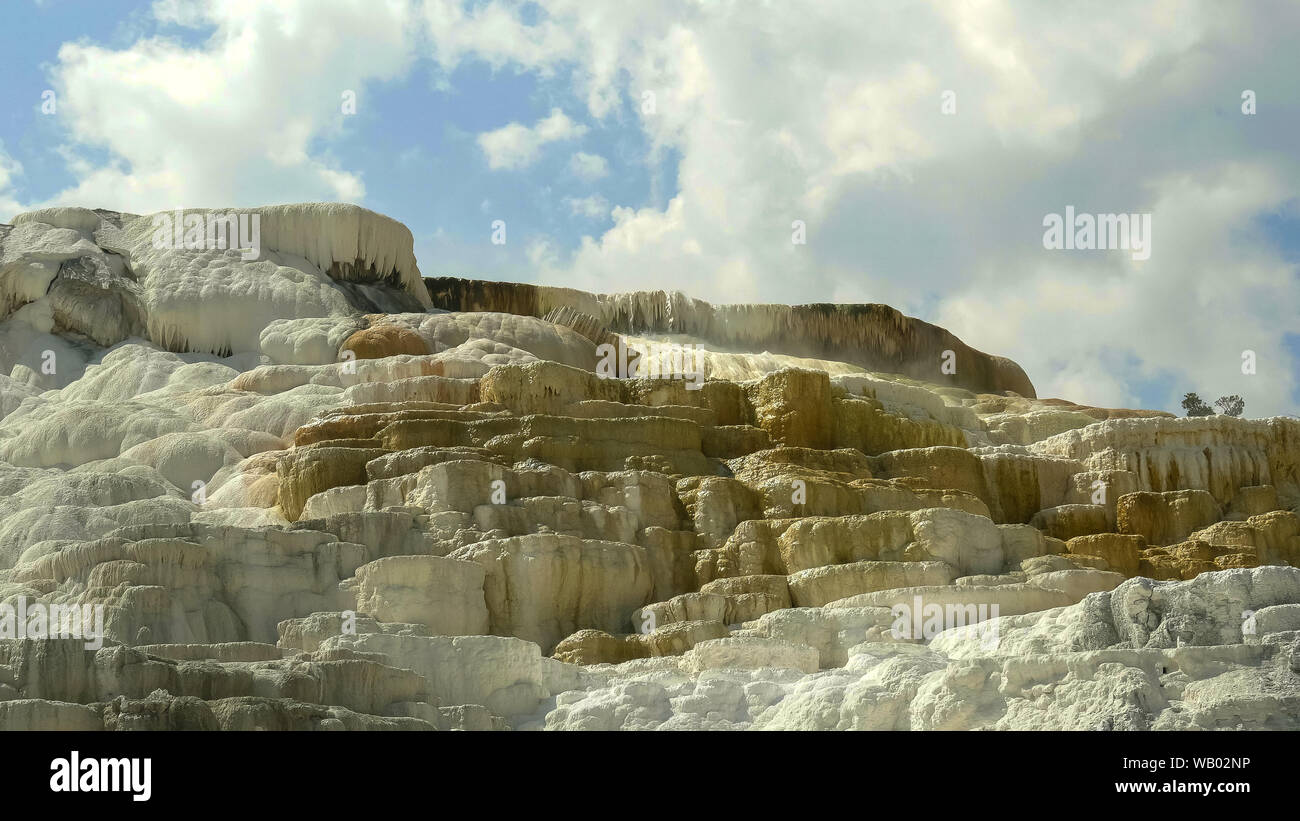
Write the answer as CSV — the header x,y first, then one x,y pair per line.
x,y
314,490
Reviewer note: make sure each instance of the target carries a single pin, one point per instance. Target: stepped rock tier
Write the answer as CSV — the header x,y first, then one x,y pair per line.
x,y
875,337
298,486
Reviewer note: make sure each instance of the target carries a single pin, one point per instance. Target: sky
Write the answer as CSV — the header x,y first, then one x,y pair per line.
x,y
676,144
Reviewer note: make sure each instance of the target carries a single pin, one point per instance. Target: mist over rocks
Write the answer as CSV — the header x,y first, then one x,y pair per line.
x,y
314,490
869,336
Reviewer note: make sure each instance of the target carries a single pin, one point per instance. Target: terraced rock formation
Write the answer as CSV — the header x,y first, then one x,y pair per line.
x,y
311,490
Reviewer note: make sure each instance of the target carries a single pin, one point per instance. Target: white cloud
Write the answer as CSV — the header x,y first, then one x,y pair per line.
x,y
588,167
540,251
831,114
9,169
233,121
185,13
495,33
516,146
